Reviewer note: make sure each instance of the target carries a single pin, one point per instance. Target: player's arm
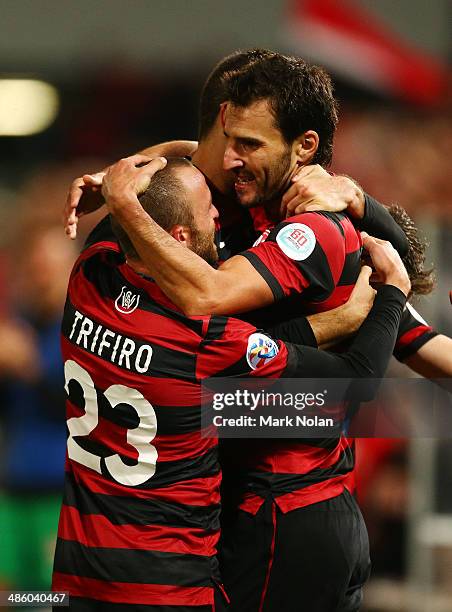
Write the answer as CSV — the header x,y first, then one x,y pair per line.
x,y
370,351
326,328
85,195
313,189
189,281
255,279
367,357
421,348
433,359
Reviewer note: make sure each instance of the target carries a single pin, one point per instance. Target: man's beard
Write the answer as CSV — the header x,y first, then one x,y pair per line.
x,y
275,182
279,178
202,243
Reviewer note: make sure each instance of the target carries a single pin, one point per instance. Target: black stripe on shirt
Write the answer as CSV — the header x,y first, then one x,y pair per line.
x,y
403,352
133,566
317,271
171,420
351,269
215,329
262,483
121,510
109,285
271,280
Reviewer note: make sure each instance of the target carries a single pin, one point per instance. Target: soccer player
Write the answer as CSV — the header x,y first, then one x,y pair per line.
x,y
259,283
139,522
421,348
314,257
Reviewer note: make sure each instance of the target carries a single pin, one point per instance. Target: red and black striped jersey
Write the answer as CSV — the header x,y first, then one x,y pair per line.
x,y
311,261
295,473
414,332
140,517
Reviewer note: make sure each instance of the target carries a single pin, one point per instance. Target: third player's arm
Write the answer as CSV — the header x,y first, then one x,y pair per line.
x,y
421,348
433,359
85,194
313,189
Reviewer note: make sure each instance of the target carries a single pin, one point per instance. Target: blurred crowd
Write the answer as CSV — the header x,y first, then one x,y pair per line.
x,y
397,155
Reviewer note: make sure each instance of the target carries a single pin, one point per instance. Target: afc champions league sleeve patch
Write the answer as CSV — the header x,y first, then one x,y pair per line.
x,y
261,349
296,240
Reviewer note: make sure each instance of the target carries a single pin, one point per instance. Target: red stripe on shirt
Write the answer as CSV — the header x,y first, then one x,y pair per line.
x,y
194,492
97,531
300,498
286,457
411,335
132,593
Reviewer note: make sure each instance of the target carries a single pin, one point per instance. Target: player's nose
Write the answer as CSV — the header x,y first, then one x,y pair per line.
x,y
215,213
231,159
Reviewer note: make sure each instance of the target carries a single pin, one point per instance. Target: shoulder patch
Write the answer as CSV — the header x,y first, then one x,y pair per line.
x,y
260,350
296,240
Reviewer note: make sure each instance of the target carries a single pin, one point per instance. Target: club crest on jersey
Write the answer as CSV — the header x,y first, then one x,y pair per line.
x,y
261,349
127,301
296,240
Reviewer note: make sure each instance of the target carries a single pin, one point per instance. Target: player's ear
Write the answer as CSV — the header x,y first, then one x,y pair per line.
x,y
182,234
306,146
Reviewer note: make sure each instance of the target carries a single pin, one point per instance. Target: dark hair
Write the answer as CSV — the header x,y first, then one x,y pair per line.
x,y
422,280
214,91
300,96
164,200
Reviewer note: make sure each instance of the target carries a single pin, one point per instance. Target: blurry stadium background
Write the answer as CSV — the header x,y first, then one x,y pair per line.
x,y
86,82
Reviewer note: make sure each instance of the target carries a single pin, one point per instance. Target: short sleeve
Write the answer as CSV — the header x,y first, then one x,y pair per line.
x,y
304,253
414,332
241,350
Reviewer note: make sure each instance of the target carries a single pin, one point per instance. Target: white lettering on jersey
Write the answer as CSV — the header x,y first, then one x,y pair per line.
x,y
105,343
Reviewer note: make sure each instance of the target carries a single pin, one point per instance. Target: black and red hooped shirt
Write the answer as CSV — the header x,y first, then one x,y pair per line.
x,y
311,263
140,517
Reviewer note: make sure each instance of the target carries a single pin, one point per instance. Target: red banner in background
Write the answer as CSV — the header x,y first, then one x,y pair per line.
x,y
356,44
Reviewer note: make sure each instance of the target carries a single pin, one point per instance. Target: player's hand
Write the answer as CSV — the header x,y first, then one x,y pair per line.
x,y
387,263
361,299
129,177
84,197
313,188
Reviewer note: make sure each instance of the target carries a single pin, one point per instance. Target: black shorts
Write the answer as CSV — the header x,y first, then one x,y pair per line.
x,y
314,558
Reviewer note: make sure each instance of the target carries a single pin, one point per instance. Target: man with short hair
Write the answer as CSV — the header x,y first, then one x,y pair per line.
x,y
139,522
197,288
256,131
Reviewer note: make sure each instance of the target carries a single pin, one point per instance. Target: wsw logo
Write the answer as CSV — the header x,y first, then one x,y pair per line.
x,y
127,301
